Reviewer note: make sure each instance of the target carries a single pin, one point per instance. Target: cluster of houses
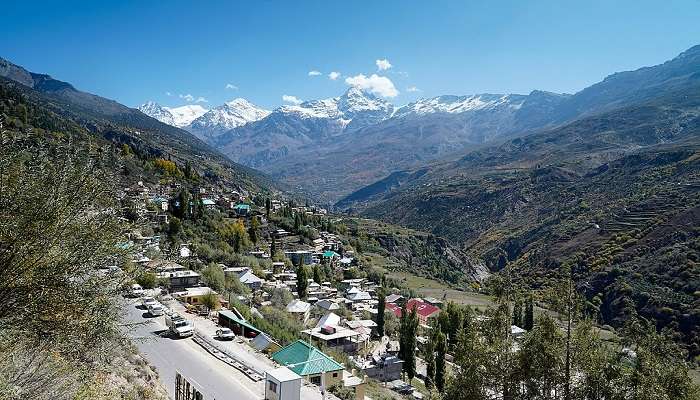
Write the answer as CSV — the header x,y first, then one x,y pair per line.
x,y
339,316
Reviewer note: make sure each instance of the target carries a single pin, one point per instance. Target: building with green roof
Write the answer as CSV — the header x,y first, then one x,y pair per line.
x,y
242,209
309,362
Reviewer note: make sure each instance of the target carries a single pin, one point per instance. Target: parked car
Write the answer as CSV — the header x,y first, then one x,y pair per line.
x,y
179,326
148,301
156,310
136,290
225,334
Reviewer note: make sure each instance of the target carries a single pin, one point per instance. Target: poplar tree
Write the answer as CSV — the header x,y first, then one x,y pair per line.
x,y
302,279
381,309
441,349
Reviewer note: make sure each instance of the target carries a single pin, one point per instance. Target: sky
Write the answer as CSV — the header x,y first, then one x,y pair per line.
x,y
281,52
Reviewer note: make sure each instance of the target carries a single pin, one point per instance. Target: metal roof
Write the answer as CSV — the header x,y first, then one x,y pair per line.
x,y
305,359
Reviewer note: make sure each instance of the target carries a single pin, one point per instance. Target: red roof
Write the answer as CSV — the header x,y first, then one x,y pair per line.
x,y
423,309
394,308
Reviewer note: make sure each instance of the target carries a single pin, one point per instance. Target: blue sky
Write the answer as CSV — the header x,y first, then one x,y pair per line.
x,y
133,51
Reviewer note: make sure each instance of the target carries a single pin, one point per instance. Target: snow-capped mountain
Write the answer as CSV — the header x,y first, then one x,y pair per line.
x,y
155,110
175,116
293,126
230,115
460,104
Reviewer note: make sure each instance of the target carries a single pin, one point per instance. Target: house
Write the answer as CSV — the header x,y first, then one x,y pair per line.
x,y
194,295
242,209
209,204
282,384
424,310
384,368
327,305
394,298
179,280
433,301
249,279
185,251
517,332
331,334
265,344
357,323
295,256
300,309
310,363
359,297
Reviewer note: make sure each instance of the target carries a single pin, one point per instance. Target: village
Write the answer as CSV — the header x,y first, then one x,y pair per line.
x,y
301,302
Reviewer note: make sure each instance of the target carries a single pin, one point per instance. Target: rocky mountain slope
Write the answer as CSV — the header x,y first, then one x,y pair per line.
x,y
55,106
291,129
615,195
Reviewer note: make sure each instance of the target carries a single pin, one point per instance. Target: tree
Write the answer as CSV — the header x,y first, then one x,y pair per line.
x,y
318,274
147,279
297,222
213,276
441,349
210,300
381,308
541,359
302,279
268,207
253,229
236,235
518,313
429,358
57,227
529,314
273,248
407,341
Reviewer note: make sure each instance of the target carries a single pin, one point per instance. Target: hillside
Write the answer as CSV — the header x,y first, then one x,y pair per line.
x,y
615,194
51,104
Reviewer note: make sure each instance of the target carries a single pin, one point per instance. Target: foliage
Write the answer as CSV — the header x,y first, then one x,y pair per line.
x,y
214,277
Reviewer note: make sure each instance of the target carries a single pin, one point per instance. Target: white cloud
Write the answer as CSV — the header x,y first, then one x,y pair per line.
x,y
412,89
189,98
231,86
291,99
168,94
383,65
334,75
315,73
379,85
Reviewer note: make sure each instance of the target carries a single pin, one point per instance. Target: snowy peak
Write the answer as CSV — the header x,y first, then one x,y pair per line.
x,y
183,115
355,100
175,116
155,110
232,114
460,104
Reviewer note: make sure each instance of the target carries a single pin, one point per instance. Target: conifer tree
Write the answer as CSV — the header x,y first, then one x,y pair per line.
x,y
529,318
381,308
302,279
441,350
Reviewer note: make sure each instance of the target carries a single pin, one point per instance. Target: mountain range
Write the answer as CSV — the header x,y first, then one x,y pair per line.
x,y
331,147
608,188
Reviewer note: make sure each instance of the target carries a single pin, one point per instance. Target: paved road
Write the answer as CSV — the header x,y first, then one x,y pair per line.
x,y
215,379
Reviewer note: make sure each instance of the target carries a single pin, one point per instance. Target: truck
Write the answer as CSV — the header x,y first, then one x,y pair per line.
x,y
178,326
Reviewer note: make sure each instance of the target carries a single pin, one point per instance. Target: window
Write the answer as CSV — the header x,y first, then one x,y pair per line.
x,y
335,374
316,380
273,387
